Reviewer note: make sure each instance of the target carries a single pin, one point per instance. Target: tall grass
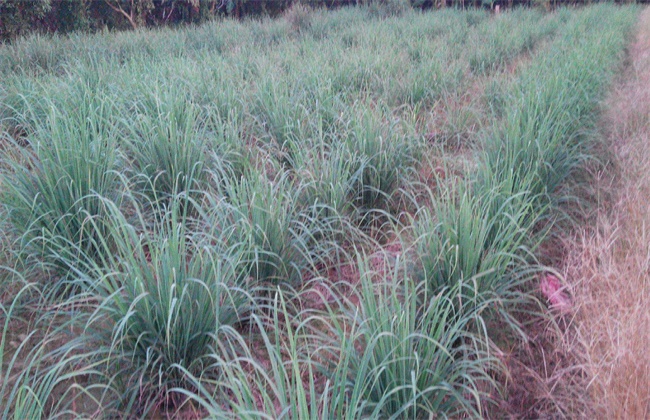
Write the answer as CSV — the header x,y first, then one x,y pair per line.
x,y
402,353
43,364
499,41
52,192
329,175
546,136
516,195
409,354
167,296
482,239
284,237
386,152
196,186
534,151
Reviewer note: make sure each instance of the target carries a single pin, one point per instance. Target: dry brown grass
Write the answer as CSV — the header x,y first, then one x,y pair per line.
x,y
609,266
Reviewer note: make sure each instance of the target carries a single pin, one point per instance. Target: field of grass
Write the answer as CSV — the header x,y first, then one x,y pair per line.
x,y
334,214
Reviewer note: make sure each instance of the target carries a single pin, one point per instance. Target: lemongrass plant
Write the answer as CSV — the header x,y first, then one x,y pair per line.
x,y
52,193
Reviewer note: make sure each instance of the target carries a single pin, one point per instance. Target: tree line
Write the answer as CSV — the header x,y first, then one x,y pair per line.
x,y
19,17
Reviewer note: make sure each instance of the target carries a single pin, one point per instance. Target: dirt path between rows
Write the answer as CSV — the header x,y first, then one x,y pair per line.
x,y
609,264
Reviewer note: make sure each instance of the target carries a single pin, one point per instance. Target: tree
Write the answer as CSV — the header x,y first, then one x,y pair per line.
x,y
19,17
67,16
135,11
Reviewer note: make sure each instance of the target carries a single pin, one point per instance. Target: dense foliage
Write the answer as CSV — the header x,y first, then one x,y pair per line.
x,y
18,17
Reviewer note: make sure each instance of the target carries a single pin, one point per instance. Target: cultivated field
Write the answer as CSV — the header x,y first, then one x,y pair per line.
x,y
334,214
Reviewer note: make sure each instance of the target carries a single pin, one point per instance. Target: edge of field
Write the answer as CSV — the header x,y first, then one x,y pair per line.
x,y
608,264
